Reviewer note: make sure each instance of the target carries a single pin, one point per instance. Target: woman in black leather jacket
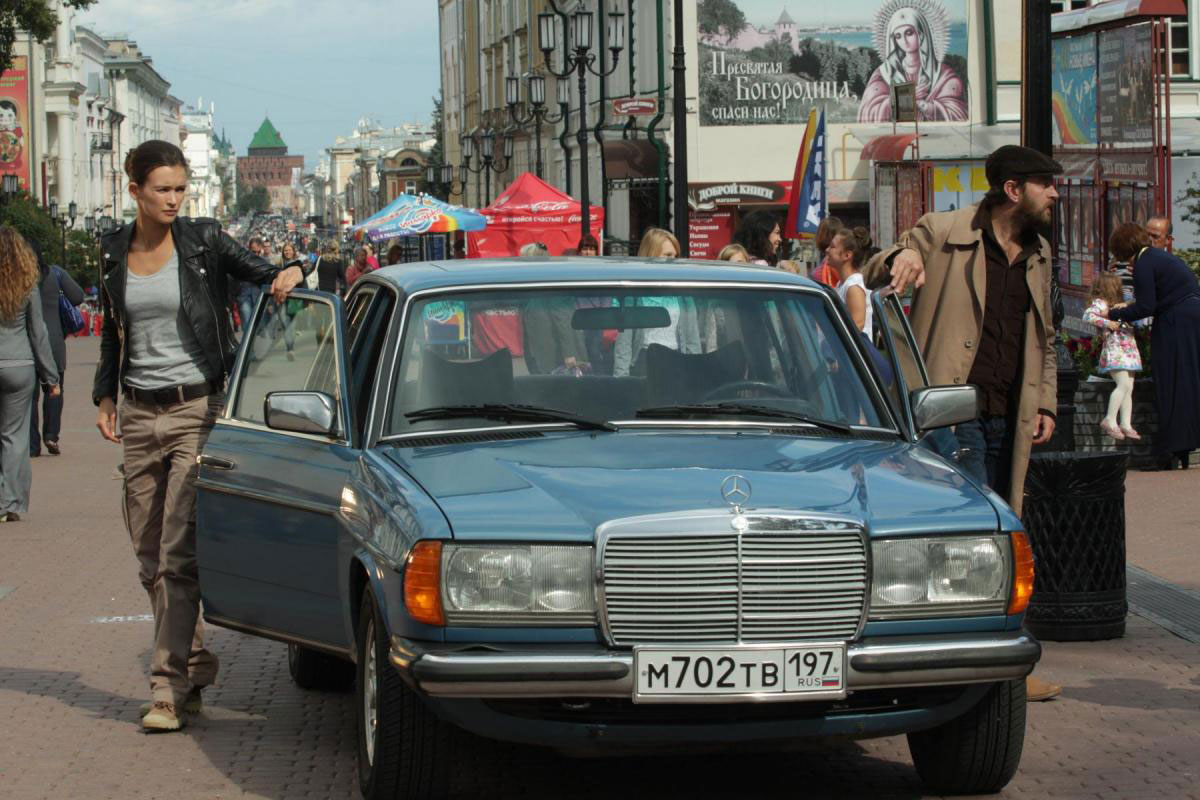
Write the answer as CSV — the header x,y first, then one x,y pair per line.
x,y
166,349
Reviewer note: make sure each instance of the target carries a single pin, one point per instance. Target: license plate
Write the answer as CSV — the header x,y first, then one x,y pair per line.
x,y
671,674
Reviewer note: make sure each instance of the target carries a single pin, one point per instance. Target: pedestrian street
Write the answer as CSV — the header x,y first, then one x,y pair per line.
x,y
75,629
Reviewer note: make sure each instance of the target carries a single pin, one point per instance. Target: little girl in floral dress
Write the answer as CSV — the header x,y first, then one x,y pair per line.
x,y
1119,356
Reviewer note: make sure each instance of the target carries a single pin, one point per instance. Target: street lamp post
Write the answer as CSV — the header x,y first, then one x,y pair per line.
x,y
536,112
581,62
63,222
487,157
10,184
442,177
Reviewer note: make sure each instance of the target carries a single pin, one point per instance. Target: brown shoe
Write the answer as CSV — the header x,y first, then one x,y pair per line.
x,y
162,718
194,703
1037,690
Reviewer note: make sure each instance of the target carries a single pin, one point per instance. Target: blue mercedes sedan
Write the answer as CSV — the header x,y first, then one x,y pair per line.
x,y
612,504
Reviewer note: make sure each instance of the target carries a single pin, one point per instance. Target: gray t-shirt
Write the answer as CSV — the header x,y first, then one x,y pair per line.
x,y
163,349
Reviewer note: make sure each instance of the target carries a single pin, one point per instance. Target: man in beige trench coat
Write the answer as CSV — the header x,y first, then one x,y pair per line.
x,y
981,315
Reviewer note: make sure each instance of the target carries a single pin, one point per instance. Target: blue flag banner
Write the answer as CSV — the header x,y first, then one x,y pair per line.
x,y
807,208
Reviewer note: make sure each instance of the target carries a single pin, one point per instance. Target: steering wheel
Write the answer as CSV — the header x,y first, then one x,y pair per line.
x,y
734,390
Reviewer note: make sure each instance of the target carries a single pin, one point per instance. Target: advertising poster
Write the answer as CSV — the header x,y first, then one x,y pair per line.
x,y
1073,78
1060,221
956,184
769,62
14,121
708,232
884,207
1125,87
910,205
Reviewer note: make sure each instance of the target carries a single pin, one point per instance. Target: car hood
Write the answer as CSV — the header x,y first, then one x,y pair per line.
x,y
562,486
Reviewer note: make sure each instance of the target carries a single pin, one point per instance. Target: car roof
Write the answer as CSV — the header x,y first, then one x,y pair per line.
x,y
419,276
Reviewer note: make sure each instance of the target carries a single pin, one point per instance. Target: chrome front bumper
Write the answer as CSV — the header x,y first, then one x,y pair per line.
x,y
496,671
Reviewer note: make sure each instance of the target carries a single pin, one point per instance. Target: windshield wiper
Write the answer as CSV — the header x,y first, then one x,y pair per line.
x,y
740,409
508,412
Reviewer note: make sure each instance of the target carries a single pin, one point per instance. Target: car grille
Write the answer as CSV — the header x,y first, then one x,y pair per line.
x,y
730,588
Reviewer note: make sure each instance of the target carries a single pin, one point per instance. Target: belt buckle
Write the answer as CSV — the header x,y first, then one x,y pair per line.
x,y
179,392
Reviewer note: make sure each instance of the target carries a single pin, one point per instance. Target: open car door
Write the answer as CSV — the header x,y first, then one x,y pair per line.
x,y
893,337
271,475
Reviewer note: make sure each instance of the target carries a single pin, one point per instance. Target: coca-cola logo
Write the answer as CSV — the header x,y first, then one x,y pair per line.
x,y
549,205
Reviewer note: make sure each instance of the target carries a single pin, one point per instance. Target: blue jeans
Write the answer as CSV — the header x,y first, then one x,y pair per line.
x,y
985,450
247,299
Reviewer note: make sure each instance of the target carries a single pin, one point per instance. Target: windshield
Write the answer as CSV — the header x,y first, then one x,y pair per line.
x,y
593,355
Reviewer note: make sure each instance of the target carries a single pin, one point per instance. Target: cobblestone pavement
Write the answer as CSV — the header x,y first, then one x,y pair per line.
x,y
73,654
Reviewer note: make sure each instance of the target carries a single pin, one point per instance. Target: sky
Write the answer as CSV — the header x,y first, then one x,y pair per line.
x,y
314,66
807,13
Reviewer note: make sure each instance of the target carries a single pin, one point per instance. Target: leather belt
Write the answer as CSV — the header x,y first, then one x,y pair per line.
x,y
170,395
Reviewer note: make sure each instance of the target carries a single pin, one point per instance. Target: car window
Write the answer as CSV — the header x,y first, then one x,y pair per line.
x,y
291,347
370,313
356,313
907,357
608,354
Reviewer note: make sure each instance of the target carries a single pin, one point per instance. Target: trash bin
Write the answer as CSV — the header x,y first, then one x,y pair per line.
x,y
1075,518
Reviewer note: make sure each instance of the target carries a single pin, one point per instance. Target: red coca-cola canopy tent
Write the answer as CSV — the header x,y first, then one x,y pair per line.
x,y
531,210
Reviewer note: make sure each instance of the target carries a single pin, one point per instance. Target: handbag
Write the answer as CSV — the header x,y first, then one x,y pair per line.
x,y
68,314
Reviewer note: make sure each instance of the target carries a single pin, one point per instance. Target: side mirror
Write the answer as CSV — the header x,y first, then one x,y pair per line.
x,y
301,412
941,406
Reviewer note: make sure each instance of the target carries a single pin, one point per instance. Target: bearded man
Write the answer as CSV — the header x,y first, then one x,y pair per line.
x,y
981,315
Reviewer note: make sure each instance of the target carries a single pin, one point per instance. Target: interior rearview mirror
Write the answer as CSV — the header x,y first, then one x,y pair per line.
x,y
301,412
620,317
941,406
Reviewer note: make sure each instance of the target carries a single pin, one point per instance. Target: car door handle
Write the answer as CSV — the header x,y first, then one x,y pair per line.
x,y
205,460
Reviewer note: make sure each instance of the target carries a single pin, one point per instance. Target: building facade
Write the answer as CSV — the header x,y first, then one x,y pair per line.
x,y
268,164
206,163
748,94
371,166
84,99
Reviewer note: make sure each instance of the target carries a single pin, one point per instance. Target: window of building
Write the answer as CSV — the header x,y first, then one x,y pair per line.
x,y
1181,60
410,187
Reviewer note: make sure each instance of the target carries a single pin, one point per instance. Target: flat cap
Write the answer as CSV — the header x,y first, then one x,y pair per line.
x,y
1012,161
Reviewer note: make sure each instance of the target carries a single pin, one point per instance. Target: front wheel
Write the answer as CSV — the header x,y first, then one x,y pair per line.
x,y
976,753
404,751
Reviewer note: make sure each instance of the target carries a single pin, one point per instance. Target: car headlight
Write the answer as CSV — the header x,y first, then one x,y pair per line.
x,y
940,576
523,584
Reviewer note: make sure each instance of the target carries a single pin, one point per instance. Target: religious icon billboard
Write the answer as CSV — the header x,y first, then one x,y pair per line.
x,y
769,62
14,121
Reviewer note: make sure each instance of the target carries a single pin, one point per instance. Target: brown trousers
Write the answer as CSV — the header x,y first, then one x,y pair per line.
x,y
161,445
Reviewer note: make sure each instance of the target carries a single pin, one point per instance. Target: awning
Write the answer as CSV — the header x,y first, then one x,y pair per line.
x,y
888,148
1111,10
938,142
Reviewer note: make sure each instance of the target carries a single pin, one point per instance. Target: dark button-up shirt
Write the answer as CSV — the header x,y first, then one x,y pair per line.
x,y
996,369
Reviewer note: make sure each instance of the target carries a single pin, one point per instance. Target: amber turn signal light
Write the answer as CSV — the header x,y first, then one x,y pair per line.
x,y
1022,588
423,583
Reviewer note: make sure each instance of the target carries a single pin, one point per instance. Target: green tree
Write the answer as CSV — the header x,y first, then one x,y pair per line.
x,y
34,16
718,17
34,223
251,200
437,156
